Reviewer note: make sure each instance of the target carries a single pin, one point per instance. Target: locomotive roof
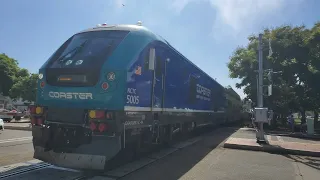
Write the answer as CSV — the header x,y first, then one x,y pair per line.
x,y
132,27
120,27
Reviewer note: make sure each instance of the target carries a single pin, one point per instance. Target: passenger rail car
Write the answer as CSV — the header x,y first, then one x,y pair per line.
x,y
234,111
118,87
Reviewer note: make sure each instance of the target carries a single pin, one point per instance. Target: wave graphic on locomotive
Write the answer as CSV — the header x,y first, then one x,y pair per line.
x,y
118,87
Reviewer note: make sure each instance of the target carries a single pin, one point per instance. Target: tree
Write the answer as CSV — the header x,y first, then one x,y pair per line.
x,y
8,70
22,73
293,57
296,54
25,88
16,82
313,43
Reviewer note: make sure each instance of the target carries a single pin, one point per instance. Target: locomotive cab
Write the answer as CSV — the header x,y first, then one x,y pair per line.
x,y
80,98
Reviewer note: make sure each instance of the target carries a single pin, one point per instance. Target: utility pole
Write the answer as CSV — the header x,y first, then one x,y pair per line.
x,y
257,77
260,72
260,111
262,114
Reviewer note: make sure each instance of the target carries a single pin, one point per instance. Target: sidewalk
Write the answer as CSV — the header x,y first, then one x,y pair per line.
x,y
26,126
23,120
245,138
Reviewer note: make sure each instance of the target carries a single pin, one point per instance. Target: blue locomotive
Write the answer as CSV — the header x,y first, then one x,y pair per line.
x,y
113,88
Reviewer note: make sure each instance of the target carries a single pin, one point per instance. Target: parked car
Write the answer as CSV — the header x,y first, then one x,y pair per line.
x,y
5,115
1,124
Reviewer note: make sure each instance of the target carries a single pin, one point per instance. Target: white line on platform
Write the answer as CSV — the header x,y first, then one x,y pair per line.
x,y
15,139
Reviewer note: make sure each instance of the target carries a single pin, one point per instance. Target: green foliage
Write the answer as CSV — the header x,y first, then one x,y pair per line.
x,y
25,88
16,82
296,52
8,70
22,73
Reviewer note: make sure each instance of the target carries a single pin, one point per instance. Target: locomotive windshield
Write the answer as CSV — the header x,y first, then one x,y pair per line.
x,y
79,60
87,49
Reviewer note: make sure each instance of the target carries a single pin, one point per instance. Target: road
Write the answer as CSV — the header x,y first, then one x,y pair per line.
x,y
15,146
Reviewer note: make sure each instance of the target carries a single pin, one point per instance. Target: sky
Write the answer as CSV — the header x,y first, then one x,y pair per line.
x,y
205,31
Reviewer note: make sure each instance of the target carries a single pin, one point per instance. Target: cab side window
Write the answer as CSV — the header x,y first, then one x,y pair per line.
x,y
159,64
145,55
230,105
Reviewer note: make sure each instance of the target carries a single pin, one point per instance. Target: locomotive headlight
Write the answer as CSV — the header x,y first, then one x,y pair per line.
x,y
97,114
38,110
40,76
92,114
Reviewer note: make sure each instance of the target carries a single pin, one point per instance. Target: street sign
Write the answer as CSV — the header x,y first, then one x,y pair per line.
x,y
261,115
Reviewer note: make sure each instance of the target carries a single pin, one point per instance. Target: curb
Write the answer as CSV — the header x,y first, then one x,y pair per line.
x,y
20,122
272,149
302,136
18,128
306,137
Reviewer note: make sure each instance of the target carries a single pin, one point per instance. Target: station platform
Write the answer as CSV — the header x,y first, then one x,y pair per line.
x,y
245,138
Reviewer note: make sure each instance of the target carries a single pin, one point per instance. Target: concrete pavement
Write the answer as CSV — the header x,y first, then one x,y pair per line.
x,y
207,160
245,138
10,134
15,146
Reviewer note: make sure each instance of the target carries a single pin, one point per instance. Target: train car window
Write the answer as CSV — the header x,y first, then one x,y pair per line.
x,y
218,98
224,98
145,54
221,96
229,104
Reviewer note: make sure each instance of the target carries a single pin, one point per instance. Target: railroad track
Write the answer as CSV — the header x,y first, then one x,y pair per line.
x,y
131,167
113,174
117,172
31,168
149,158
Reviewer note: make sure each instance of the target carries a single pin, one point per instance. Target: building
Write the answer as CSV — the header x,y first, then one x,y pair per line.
x,y
4,101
